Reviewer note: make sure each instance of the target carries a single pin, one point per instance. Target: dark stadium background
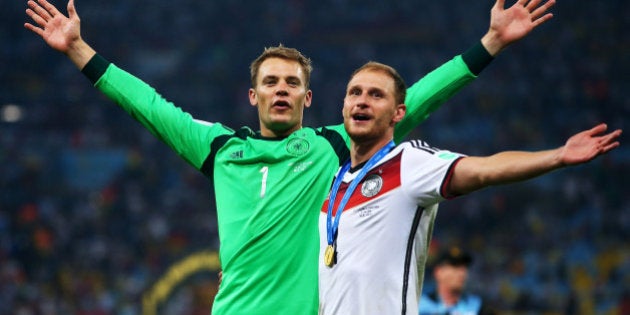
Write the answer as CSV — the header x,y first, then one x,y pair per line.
x,y
94,211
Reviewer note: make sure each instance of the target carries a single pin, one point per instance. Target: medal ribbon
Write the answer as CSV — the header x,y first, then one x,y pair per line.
x,y
331,227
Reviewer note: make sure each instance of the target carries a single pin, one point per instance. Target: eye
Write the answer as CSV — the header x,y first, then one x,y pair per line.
x,y
293,82
376,94
269,81
354,92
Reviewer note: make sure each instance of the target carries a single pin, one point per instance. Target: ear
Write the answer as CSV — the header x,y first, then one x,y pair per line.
x,y
399,113
252,97
308,98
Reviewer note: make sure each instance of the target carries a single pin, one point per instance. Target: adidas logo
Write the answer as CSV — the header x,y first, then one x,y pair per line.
x,y
237,155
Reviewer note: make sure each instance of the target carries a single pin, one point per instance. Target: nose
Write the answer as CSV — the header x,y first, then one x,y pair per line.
x,y
281,89
361,101
353,105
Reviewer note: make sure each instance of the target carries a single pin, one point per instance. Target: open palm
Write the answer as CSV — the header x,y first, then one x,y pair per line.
x,y
588,144
57,30
517,21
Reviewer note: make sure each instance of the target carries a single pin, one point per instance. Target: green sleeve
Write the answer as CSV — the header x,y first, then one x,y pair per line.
x,y
426,95
188,137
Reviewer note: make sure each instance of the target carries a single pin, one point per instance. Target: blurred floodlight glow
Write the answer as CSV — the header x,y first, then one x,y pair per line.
x,y
11,113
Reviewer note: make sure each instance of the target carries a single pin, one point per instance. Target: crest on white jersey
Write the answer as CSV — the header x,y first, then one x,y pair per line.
x,y
371,185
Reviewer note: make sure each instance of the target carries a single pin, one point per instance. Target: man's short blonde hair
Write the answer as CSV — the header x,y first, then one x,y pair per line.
x,y
283,53
400,87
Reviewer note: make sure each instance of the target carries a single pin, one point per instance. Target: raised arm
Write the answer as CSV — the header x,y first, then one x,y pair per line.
x,y
473,173
507,26
60,32
188,137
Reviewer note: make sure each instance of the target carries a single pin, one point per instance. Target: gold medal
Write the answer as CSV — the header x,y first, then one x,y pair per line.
x,y
329,256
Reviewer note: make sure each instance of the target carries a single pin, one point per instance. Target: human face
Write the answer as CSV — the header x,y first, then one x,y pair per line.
x,y
280,95
370,111
451,278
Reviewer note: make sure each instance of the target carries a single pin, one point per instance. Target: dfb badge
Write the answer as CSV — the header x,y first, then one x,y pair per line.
x,y
298,146
371,185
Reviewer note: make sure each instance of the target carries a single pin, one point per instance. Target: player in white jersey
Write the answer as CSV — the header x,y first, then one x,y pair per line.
x,y
384,232
377,222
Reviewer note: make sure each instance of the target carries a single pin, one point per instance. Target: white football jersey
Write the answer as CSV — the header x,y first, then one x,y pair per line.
x,y
384,233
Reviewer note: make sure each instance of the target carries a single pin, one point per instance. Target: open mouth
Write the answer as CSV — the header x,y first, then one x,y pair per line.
x,y
281,105
361,117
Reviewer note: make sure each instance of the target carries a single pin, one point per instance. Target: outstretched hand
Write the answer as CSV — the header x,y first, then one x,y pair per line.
x,y
57,30
589,144
512,24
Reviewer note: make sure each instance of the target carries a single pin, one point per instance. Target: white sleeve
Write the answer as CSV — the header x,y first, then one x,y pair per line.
x,y
424,171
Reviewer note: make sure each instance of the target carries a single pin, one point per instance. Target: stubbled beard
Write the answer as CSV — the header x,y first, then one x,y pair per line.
x,y
361,136
364,136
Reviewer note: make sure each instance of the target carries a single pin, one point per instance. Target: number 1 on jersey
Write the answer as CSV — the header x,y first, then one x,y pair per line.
x,y
263,186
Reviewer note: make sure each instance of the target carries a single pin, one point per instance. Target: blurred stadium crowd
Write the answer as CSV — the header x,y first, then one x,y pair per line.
x,y
93,209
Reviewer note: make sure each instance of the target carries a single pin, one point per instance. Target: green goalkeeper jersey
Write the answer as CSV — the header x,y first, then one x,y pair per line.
x,y
268,190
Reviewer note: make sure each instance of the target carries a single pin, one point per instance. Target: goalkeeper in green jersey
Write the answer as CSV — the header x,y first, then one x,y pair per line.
x,y
269,184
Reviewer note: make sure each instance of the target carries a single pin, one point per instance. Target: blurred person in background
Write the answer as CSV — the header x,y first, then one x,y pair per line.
x,y
450,274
